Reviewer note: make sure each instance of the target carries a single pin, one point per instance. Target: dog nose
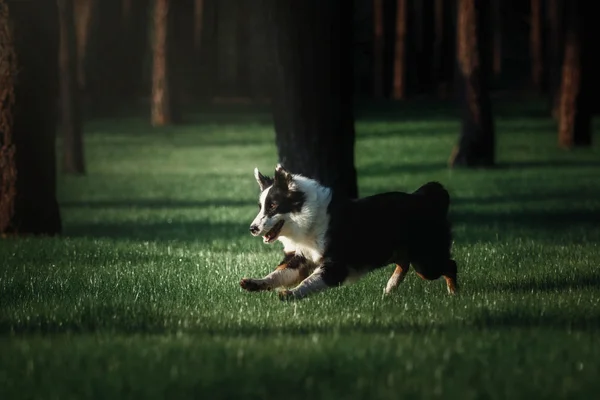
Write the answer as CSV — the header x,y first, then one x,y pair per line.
x,y
253,229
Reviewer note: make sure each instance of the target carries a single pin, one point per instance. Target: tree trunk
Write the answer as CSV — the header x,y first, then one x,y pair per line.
x,y
555,53
28,77
477,142
198,15
378,48
313,84
497,37
575,108
83,14
535,41
399,91
73,162
161,95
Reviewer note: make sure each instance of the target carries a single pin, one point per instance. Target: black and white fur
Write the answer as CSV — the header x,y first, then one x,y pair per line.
x,y
330,240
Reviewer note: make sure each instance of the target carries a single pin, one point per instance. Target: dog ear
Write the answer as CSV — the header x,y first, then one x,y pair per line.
x,y
263,181
283,178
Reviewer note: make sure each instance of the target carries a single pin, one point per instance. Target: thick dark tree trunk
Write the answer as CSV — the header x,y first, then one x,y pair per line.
x,y
313,99
575,108
73,161
555,51
536,45
378,48
161,92
477,142
399,83
28,89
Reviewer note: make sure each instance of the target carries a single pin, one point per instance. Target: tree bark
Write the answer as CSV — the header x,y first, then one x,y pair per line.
x,y
161,93
83,15
28,89
313,90
536,45
73,160
378,48
399,90
477,142
575,108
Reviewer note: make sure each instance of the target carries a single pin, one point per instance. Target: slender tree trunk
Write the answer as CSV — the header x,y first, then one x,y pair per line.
x,y
28,89
378,48
477,142
575,108
313,82
198,15
161,94
83,16
555,53
497,37
73,161
536,44
399,91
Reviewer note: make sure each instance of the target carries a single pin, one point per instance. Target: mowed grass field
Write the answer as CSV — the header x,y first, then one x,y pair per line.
x,y
139,298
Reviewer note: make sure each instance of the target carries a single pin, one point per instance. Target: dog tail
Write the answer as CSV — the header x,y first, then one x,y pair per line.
x,y
436,195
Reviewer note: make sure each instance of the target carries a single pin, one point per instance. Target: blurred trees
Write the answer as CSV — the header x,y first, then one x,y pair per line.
x,y
476,144
378,48
313,89
29,51
399,91
161,91
73,161
575,101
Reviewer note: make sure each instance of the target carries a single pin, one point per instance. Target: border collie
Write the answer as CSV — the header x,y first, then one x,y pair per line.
x,y
329,240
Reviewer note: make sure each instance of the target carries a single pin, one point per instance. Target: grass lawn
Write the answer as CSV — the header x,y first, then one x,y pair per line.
x,y
140,296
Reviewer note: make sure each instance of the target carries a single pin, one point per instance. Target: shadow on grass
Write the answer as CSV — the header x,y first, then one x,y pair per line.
x,y
558,283
535,220
155,203
538,196
545,319
118,320
390,169
203,231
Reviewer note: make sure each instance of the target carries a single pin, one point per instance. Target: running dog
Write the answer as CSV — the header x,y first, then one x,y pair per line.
x,y
329,240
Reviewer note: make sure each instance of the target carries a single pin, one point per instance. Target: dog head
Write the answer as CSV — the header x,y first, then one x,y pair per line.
x,y
279,199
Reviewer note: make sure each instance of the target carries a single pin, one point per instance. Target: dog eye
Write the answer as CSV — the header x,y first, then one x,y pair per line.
x,y
273,206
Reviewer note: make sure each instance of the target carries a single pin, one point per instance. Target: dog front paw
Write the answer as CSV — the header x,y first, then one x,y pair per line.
x,y
286,295
252,285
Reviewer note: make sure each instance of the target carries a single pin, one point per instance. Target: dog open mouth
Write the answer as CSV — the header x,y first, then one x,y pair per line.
x,y
272,235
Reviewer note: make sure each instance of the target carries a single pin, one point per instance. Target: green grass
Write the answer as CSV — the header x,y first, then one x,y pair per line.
x,y
140,297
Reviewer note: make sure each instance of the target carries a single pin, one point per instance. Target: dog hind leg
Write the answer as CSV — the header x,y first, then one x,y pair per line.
x,y
451,277
397,277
